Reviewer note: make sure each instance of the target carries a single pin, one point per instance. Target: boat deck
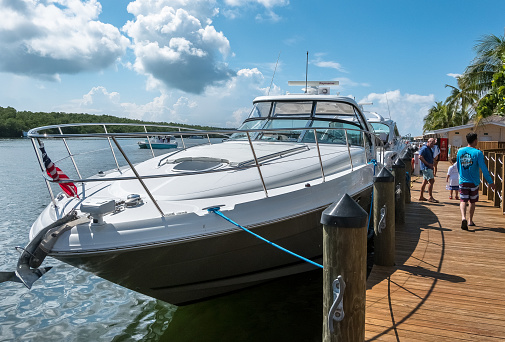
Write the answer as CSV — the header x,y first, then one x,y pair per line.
x,y
448,284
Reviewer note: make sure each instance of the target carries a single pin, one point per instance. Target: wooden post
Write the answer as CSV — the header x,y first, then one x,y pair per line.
x,y
502,190
344,254
384,227
482,186
498,180
491,168
399,173
408,175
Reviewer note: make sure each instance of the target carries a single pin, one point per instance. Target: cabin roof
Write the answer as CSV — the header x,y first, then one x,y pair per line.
x,y
491,120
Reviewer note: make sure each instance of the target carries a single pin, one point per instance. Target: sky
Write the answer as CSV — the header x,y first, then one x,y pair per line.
x,y
204,61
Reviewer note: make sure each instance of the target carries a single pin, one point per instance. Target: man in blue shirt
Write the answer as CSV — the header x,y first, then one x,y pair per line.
x,y
426,157
470,160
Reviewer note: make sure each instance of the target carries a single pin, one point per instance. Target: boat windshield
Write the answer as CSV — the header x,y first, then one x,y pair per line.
x,y
330,118
379,128
334,132
253,124
288,135
329,109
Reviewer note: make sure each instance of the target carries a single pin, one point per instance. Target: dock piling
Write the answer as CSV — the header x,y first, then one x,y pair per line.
x,y
344,258
384,218
407,160
399,174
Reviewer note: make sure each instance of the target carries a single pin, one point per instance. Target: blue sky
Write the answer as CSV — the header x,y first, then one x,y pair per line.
x,y
203,62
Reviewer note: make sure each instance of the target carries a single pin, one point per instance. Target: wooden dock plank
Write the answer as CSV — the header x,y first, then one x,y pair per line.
x,y
447,284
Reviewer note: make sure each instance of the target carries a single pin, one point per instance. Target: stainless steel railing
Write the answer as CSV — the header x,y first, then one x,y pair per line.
x,y
369,145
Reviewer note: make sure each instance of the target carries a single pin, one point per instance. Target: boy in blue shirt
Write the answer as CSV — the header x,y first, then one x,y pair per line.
x,y
470,160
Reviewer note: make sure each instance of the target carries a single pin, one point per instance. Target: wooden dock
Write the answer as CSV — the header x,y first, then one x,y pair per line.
x,y
447,284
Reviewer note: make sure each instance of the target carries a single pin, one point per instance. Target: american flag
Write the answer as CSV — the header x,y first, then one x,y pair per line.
x,y
55,173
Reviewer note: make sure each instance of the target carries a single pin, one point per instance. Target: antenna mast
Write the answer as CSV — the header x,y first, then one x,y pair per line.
x,y
274,73
306,71
387,101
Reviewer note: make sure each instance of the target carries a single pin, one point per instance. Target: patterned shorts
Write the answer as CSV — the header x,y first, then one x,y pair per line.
x,y
427,174
468,192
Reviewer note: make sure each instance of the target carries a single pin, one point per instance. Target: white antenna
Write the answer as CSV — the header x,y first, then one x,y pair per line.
x,y
274,73
306,71
387,101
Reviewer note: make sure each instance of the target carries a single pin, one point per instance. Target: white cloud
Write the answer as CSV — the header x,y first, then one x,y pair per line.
x,y
268,16
201,9
454,75
239,7
293,41
43,39
175,43
99,97
347,82
408,110
223,106
100,101
217,39
238,117
327,64
266,3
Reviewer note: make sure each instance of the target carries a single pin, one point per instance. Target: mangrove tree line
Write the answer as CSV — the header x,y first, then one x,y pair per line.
x,y
13,122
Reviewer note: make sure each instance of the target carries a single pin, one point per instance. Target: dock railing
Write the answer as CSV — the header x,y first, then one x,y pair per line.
x,y
495,160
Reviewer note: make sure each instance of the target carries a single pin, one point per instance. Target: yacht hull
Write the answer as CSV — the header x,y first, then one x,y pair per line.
x,y
197,269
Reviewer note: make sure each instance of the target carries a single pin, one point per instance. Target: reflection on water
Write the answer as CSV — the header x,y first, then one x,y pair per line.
x,y
68,304
287,309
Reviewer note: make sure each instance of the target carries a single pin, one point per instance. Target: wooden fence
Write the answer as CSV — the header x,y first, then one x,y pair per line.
x,y
490,145
495,162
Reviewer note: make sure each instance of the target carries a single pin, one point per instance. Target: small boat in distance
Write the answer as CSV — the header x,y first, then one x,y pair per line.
x,y
158,142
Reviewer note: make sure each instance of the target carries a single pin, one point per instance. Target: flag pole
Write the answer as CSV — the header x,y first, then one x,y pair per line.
x,y
43,169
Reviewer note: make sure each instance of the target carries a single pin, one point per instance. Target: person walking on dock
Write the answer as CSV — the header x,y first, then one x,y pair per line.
x,y
427,160
470,160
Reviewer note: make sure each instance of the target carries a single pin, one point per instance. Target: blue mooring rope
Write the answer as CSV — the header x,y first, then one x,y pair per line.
x,y
217,212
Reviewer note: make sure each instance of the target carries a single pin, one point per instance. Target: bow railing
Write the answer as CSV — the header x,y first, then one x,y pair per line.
x,y
116,135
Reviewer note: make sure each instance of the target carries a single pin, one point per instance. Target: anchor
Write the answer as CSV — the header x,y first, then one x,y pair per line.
x,y
28,269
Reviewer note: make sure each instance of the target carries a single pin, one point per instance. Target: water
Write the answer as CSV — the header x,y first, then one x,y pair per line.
x,y
68,304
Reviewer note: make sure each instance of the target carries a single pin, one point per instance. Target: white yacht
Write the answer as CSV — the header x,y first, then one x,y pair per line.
x,y
393,145
148,227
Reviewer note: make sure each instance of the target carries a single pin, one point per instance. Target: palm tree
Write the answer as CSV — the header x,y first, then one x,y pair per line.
x,y
490,50
438,117
461,102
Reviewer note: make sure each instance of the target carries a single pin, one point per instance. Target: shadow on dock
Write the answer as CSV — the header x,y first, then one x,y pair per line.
x,y
447,283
